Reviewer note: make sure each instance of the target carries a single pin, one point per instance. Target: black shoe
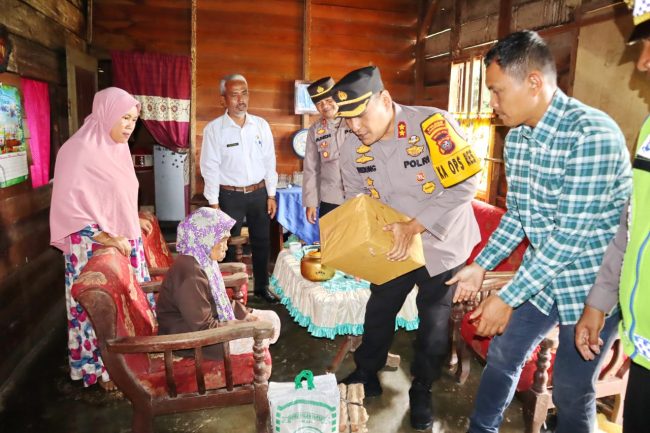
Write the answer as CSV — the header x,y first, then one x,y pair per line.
x,y
371,386
267,296
420,401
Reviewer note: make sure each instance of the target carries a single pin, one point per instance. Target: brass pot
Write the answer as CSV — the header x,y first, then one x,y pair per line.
x,y
311,267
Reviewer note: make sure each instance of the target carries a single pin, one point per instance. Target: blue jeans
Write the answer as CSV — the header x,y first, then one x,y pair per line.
x,y
573,377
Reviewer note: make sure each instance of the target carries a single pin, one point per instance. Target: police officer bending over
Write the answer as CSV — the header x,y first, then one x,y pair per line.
x,y
414,160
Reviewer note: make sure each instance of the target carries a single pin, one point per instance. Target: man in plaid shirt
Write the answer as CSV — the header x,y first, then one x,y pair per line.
x,y
568,174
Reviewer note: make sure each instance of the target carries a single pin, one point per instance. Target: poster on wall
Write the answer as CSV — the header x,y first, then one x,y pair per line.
x,y
13,151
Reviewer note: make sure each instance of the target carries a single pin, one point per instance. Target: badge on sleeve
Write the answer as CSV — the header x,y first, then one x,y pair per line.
x,y
452,157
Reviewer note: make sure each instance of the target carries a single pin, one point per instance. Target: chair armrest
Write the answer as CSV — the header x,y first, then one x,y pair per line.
x,y
189,340
151,286
232,267
496,280
154,272
235,280
238,240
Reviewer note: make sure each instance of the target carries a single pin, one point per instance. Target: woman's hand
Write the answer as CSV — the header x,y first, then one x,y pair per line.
x,y
121,243
310,213
146,226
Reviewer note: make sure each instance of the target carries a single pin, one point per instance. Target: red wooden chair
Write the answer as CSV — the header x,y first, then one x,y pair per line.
x,y
142,364
536,381
159,256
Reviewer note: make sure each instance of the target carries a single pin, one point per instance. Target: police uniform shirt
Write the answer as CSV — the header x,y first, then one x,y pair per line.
x,y
398,171
237,156
321,179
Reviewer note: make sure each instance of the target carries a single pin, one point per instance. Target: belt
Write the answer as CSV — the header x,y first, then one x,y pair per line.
x,y
244,189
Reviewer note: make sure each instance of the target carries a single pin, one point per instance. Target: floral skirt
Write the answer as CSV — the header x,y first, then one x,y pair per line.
x,y
83,352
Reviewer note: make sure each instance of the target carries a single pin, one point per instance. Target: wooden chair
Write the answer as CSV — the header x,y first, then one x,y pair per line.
x,y
535,384
160,256
143,365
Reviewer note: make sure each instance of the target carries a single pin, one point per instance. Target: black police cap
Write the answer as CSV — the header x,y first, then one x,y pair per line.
x,y
353,91
320,89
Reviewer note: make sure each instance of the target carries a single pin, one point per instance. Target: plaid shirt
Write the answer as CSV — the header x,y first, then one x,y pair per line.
x,y
568,180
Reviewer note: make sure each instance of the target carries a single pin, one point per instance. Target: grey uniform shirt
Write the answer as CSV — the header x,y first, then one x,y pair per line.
x,y
321,179
604,293
398,171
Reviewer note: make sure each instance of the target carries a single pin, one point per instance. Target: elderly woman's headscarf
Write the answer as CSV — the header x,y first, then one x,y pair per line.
x,y
196,236
94,179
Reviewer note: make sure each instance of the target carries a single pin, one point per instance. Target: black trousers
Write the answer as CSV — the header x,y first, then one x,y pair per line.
x,y
325,208
432,340
253,206
636,412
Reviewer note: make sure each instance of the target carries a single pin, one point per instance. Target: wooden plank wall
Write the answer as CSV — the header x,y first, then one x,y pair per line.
x,y
159,26
264,43
31,272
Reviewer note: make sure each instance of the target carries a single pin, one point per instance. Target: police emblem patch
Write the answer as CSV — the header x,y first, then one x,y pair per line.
x,y
364,159
452,157
414,150
420,177
428,187
363,149
324,145
413,139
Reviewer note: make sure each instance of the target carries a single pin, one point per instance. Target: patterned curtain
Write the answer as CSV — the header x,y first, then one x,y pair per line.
x,y
162,85
37,110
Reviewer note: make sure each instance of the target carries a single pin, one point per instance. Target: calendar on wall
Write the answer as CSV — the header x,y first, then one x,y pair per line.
x,y
13,150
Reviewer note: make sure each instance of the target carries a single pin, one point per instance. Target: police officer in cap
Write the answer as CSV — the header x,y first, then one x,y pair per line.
x,y
322,186
415,160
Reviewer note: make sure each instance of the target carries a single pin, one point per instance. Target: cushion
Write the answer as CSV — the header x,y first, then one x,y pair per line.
x,y
110,271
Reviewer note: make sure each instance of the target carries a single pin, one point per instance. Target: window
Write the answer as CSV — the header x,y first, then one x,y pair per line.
x,y
469,102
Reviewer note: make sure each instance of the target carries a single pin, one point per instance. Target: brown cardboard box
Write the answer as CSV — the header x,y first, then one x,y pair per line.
x,y
353,241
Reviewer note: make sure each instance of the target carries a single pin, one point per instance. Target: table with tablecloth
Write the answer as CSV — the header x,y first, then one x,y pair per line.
x,y
330,308
291,215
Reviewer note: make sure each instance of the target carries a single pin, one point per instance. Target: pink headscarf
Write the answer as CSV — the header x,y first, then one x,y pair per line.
x,y
94,179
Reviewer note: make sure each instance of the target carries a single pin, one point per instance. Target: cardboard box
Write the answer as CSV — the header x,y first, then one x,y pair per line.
x,y
353,241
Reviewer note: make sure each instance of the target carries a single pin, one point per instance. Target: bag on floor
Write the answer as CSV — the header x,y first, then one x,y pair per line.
x,y
296,408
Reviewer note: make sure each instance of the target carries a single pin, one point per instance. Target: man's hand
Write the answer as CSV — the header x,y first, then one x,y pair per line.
x,y
310,213
588,329
146,226
493,316
402,236
271,207
469,280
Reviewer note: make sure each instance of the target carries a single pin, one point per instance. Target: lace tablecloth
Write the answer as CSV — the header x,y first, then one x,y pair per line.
x,y
331,308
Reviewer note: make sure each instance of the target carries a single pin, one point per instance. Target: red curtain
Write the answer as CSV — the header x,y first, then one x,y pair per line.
x,y
162,85
36,98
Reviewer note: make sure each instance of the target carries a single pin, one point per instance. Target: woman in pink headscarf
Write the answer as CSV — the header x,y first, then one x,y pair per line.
x,y
95,203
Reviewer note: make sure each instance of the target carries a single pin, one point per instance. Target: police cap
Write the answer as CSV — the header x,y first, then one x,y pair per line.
x,y
353,91
320,89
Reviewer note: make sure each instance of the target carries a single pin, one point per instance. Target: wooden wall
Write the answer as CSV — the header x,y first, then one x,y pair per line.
x,y
265,44
159,26
31,272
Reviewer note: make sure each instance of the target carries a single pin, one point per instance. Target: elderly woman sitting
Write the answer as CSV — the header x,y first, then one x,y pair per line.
x,y
193,296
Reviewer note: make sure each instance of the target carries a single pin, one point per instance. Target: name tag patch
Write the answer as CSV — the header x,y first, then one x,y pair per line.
x,y
452,157
232,144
